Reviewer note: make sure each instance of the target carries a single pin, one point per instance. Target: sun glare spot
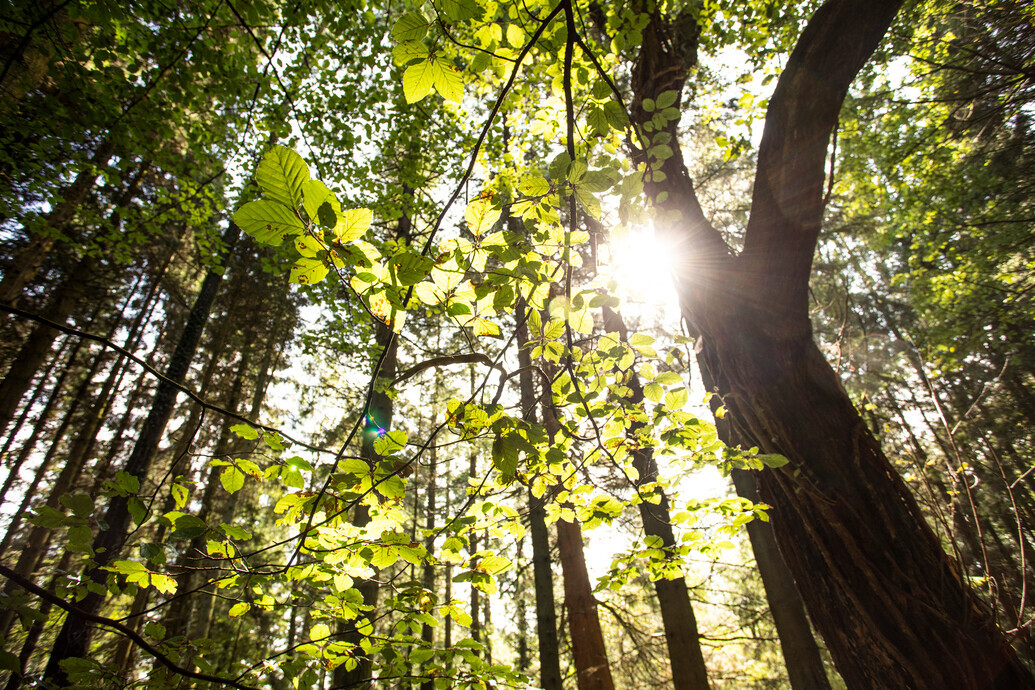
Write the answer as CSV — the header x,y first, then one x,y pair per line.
x,y
642,268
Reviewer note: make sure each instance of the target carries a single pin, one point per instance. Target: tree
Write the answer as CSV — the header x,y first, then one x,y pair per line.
x,y
848,526
472,207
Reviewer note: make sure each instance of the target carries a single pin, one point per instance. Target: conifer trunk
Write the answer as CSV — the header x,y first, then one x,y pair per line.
x,y
545,607
73,640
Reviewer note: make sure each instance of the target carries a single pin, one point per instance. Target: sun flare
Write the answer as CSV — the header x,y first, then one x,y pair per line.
x,y
642,268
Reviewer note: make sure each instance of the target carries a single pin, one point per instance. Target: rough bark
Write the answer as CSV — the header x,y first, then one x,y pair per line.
x,y
891,605
592,670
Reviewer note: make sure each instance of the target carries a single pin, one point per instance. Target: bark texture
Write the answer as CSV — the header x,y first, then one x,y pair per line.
x,y
891,605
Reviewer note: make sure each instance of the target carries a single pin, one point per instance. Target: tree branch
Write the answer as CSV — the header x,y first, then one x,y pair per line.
x,y
787,204
33,588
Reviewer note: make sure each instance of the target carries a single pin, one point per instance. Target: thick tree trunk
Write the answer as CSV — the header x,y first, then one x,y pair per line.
x,y
73,640
891,605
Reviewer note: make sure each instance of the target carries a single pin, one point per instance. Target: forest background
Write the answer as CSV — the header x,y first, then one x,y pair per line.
x,y
334,342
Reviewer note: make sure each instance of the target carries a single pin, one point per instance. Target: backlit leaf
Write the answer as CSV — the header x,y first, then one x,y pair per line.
x,y
418,80
281,175
268,222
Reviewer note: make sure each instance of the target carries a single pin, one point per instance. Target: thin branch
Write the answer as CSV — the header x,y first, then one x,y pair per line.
x,y
45,595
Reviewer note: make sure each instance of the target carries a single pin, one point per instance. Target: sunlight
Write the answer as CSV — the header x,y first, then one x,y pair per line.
x,y
642,269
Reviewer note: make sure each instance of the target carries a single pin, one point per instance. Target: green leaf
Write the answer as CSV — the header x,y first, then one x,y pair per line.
x,y
460,10
10,662
232,479
410,27
180,494
481,214
352,224
239,609
418,80
314,195
667,99
405,53
675,399
653,392
281,175
155,630
137,510
307,271
448,82
81,505
188,527
235,532
669,378
773,460
163,583
390,441
245,431
268,222
127,482
494,565
534,186
320,631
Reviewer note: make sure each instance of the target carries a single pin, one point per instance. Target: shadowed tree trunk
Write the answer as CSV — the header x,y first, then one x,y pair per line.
x,y
891,605
379,416
545,607
73,640
677,613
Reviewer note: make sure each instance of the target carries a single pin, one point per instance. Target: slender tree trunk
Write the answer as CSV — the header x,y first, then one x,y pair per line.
x,y
16,679
545,607
74,637
38,428
677,613
427,633
379,417
41,386
587,638
801,655
37,347
27,261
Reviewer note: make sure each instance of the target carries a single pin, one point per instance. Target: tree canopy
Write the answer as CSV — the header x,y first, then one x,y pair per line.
x,y
323,366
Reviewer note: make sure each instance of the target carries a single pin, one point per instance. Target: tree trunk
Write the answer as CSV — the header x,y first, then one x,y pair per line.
x,y
26,263
891,605
801,655
37,346
589,653
427,633
677,613
379,416
73,640
545,607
